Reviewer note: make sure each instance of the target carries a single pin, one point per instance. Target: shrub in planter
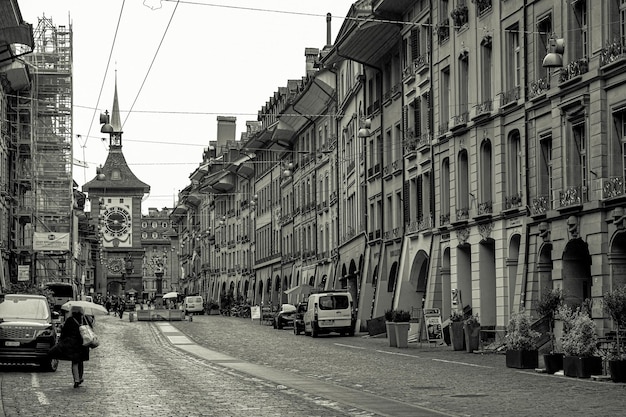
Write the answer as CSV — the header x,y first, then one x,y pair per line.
x,y
520,343
548,307
579,342
471,327
614,304
457,337
391,327
401,320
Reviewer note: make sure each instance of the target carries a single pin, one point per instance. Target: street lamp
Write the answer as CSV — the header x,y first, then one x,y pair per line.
x,y
554,57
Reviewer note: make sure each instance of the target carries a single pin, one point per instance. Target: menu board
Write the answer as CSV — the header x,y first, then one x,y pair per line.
x,y
434,327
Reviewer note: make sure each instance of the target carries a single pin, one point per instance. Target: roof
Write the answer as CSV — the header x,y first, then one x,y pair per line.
x,y
127,180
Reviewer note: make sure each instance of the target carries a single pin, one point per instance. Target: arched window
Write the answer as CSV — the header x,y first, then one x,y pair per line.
x,y
486,186
462,198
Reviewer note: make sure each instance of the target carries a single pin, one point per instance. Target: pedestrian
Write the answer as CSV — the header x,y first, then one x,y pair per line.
x,y
121,308
70,346
107,305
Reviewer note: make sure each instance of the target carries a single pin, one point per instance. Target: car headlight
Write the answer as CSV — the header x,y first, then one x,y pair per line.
x,y
48,332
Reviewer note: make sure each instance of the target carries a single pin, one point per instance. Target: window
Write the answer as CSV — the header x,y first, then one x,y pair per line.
x,y
486,69
445,188
463,81
485,173
544,30
545,165
513,163
144,235
462,197
444,115
617,149
580,36
513,77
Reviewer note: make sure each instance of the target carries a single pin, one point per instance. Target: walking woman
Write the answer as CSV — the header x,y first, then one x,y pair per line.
x,y
70,346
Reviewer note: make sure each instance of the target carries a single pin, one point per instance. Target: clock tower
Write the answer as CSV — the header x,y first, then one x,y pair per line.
x,y
115,195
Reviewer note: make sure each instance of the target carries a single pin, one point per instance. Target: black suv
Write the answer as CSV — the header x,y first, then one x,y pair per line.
x,y
27,330
298,321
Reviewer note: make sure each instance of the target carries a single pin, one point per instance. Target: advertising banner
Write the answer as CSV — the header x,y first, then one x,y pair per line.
x,y
51,241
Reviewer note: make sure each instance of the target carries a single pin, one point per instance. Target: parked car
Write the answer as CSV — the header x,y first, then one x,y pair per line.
x,y
331,311
27,330
285,316
298,320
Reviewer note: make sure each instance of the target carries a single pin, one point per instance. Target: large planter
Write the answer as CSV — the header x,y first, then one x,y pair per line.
x,y
391,334
617,368
457,335
582,367
522,359
472,337
553,362
402,334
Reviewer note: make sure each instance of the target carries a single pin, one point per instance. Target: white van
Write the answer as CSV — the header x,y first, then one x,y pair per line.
x,y
194,304
331,311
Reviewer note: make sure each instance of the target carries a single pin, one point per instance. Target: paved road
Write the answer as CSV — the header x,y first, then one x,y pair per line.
x,y
221,366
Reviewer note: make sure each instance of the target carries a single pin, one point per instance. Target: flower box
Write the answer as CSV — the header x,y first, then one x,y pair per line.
x,y
582,367
522,359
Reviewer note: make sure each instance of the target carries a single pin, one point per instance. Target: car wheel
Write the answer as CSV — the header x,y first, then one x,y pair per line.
x,y
49,365
279,326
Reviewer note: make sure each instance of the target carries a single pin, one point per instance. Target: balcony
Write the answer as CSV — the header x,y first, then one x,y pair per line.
x,y
460,16
540,205
538,88
462,214
482,110
459,121
615,51
485,209
569,197
482,7
442,29
444,219
513,201
423,142
573,71
611,187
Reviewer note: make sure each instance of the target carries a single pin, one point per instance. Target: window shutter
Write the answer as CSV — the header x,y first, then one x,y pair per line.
x,y
420,209
405,122
406,203
415,44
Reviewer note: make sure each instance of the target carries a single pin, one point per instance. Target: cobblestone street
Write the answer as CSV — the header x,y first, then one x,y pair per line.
x,y
136,371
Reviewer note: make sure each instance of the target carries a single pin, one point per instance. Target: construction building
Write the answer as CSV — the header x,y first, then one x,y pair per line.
x,y
42,222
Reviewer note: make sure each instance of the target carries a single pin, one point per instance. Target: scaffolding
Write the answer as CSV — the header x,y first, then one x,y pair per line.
x,y
44,154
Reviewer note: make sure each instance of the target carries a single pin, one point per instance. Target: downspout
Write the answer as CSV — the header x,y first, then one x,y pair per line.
x,y
527,186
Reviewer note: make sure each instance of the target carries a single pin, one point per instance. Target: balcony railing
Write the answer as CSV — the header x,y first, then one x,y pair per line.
x,y
513,201
462,214
443,30
614,51
444,219
482,6
538,87
485,208
573,70
570,196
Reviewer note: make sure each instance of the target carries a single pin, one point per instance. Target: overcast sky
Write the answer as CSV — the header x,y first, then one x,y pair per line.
x,y
179,66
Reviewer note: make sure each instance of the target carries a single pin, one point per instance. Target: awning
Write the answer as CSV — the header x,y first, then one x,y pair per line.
x,y
299,293
367,42
242,166
12,36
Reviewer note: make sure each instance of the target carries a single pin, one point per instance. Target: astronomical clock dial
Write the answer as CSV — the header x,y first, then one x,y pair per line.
x,y
116,225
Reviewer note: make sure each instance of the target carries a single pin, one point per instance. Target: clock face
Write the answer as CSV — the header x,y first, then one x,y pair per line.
x,y
116,221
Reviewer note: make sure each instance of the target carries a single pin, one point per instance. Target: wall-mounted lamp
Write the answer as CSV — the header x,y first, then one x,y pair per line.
x,y
288,169
554,57
100,175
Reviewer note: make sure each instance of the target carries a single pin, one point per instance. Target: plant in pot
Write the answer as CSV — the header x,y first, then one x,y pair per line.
x,y
457,338
547,307
402,320
614,304
580,343
521,348
471,327
391,327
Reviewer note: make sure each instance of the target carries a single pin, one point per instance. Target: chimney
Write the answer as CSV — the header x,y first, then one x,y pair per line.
x,y
328,32
310,55
226,130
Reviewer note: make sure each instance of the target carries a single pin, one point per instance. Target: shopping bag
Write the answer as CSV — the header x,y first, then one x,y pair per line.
x,y
90,338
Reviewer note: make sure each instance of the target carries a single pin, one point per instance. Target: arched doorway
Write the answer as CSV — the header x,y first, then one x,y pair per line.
x,y
576,272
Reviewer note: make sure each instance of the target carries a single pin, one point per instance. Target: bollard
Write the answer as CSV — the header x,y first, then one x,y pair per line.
x,y
131,316
190,317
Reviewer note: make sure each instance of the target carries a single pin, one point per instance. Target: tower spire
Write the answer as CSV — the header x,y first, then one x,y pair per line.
x,y
115,113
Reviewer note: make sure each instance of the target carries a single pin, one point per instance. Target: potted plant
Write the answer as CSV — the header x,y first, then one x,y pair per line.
x,y
521,349
391,327
580,344
456,331
614,304
471,327
548,307
402,320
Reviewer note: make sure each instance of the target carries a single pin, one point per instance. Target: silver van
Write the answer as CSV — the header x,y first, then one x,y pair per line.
x,y
331,311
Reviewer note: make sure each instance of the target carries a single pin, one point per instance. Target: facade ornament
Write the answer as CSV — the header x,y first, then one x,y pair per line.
x,y
462,234
485,230
572,227
619,218
544,231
